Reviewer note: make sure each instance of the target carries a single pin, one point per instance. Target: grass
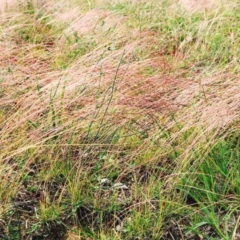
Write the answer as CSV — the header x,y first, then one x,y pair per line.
x,y
119,120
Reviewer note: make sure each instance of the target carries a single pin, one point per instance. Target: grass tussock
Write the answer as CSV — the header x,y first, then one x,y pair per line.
x,y
119,120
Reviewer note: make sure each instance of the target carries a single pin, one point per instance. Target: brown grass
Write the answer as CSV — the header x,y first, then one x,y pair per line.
x,y
215,98
125,75
200,5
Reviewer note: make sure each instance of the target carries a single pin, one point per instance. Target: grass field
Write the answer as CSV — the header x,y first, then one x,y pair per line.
x,y
119,120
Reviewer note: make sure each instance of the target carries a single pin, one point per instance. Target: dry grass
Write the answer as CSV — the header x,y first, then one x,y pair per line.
x,y
199,5
90,92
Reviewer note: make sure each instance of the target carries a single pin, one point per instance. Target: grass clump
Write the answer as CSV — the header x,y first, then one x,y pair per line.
x,y
119,120
212,190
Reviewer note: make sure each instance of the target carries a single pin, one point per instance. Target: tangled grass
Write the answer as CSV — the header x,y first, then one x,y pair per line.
x,y
119,120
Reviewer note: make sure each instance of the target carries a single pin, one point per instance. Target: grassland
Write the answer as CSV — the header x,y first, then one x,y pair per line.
x,y
119,120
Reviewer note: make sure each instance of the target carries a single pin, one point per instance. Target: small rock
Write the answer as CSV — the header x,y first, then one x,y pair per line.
x,y
120,186
118,228
104,181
